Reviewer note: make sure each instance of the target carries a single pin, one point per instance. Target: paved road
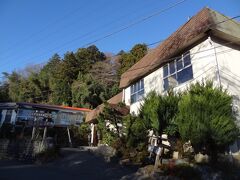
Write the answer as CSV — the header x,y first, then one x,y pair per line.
x,y
76,164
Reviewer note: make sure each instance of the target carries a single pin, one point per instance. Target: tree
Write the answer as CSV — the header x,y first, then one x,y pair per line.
x,y
48,78
105,73
80,134
129,59
205,118
4,88
110,123
71,67
87,92
139,50
136,131
88,56
160,111
57,77
14,80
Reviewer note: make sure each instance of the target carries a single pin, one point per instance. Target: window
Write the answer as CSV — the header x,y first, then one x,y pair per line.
x,y
177,71
137,91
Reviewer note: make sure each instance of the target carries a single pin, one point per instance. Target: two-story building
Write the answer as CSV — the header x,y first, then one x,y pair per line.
x,y
206,47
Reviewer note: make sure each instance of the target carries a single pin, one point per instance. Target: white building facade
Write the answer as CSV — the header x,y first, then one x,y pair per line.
x,y
208,60
207,47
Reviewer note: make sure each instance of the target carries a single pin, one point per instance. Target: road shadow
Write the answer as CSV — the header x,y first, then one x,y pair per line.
x,y
74,164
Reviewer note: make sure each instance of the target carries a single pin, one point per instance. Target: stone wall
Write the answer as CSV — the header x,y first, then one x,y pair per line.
x,y
20,149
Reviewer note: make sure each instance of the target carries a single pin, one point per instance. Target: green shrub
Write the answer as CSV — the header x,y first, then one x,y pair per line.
x,y
114,116
159,111
136,132
80,134
205,118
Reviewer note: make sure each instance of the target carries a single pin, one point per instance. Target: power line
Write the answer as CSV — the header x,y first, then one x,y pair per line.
x,y
192,60
126,27
215,66
48,25
171,59
54,32
233,76
137,22
84,35
38,97
204,72
151,44
235,17
227,43
164,11
179,88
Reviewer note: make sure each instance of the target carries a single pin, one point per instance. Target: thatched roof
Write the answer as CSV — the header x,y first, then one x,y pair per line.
x,y
113,102
199,27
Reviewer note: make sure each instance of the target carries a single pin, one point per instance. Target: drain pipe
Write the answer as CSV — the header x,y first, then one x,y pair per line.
x,y
216,59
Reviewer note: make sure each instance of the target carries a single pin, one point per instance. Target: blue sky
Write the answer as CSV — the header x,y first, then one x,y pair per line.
x,y
33,30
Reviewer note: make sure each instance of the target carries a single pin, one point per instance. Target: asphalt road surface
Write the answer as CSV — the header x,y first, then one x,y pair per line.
x,y
75,164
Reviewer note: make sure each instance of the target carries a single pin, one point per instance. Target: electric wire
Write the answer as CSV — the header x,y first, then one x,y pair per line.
x,y
124,27
213,24
192,60
77,38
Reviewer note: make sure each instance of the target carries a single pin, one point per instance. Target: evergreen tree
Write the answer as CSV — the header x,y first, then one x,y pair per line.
x,y
87,92
129,59
4,88
205,118
88,56
159,111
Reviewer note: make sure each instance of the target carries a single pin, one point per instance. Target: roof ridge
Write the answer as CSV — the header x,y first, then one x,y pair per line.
x,y
191,31
169,37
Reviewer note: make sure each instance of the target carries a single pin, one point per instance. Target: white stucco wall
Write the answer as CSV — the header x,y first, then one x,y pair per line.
x,y
229,65
204,63
210,61
127,96
229,69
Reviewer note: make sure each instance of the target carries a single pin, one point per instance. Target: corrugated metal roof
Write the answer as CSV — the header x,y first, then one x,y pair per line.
x,y
43,106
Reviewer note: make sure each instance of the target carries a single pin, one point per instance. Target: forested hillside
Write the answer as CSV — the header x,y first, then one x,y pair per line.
x,y
85,78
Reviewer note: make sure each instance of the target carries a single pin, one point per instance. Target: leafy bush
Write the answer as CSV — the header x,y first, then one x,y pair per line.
x,y
135,139
205,118
159,112
110,123
80,134
136,132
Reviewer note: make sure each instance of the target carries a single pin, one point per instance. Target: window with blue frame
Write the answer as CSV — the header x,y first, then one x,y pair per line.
x,y
137,91
177,71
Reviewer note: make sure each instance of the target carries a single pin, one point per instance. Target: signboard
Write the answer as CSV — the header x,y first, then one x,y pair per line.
x,y
42,118
42,114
